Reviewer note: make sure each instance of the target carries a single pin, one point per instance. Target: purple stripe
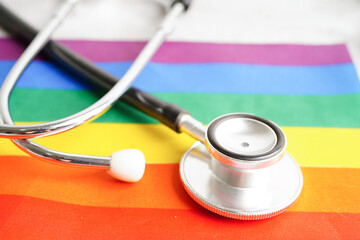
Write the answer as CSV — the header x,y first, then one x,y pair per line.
x,y
193,52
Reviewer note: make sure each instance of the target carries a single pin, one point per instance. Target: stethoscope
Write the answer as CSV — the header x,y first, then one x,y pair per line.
x,y
238,168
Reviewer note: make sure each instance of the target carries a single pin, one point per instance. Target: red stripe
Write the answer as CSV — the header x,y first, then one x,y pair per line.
x,y
32,218
197,52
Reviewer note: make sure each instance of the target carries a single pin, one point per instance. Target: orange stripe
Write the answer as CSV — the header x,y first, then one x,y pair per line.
x,y
325,189
32,218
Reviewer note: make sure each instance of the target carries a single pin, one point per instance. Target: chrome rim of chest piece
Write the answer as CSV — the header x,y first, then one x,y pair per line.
x,y
250,177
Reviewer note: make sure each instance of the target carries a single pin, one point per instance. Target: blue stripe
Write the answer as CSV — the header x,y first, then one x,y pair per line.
x,y
208,78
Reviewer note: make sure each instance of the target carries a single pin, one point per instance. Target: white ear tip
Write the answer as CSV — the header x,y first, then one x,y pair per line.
x,y
127,165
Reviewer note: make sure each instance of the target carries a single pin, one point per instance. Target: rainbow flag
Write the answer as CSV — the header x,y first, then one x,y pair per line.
x,y
311,91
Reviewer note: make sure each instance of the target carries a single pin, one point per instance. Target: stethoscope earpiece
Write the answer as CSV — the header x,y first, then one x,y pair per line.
x,y
127,165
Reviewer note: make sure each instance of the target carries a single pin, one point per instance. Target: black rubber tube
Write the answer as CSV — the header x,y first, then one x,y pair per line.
x,y
166,113
186,3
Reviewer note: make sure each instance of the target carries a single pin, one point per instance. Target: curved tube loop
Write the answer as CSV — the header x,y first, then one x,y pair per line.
x,y
20,133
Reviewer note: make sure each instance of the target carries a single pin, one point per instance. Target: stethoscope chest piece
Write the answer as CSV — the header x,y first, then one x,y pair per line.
x,y
242,171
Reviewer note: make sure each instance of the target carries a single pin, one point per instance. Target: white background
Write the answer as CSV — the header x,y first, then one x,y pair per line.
x,y
255,21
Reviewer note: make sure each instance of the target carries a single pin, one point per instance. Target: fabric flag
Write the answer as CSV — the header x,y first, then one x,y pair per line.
x,y
311,91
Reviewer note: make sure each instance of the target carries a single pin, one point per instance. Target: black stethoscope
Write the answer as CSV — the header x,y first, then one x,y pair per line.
x,y
238,168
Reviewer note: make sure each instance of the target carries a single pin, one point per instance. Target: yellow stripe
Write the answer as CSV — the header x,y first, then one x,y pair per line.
x,y
325,147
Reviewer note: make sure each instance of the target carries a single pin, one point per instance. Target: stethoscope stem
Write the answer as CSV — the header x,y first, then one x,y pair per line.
x,y
189,125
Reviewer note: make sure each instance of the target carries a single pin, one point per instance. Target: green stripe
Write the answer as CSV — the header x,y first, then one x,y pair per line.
x,y
30,105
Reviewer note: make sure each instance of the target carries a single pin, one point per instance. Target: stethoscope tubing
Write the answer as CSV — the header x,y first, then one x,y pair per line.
x,y
168,114
11,22
50,128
